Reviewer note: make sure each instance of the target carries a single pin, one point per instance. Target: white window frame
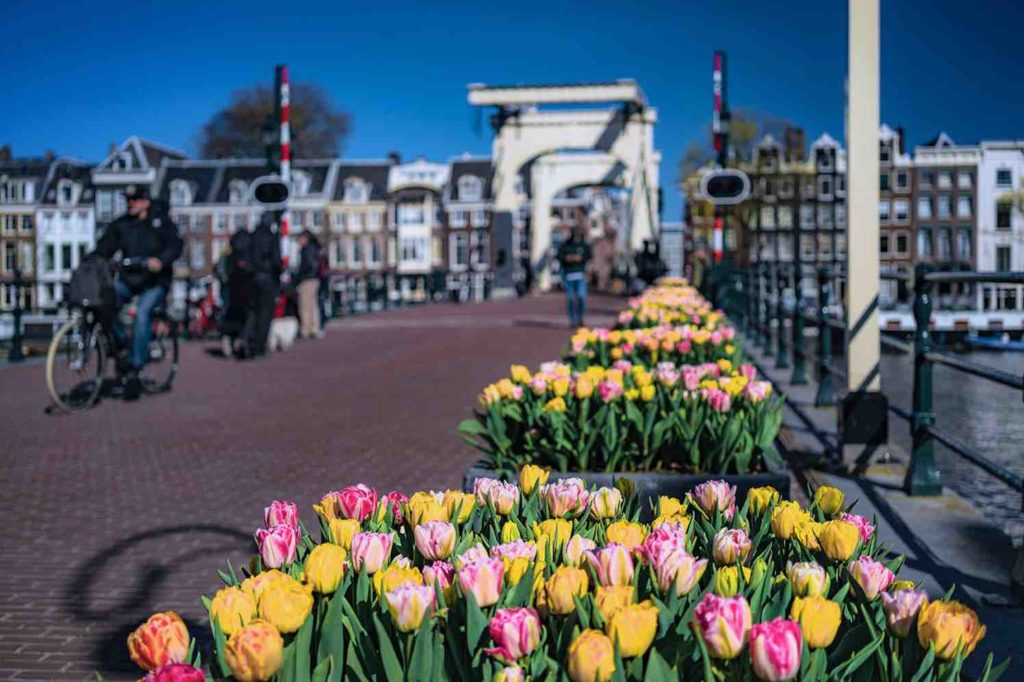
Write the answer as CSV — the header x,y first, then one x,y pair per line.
x,y
238,192
904,174
471,188
373,221
180,193
884,210
455,241
901,206
1009,175
479,217
929,212
961,201
964,180
457,217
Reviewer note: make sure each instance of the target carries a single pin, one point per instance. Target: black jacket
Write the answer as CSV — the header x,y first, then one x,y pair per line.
x,y
264,252
309,262
154,237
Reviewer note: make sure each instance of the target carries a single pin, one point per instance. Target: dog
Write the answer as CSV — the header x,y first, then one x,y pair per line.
x,y
283,331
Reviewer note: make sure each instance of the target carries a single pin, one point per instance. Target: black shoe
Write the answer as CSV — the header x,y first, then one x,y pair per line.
x,y
132,387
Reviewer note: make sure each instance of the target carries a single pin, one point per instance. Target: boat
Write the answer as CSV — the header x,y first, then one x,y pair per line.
x,y
1003,342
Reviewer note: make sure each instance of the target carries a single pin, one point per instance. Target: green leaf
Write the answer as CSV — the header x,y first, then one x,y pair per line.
x,y
300,658
421,664
392,666
324,669
925,669
332,637
658,668
476,623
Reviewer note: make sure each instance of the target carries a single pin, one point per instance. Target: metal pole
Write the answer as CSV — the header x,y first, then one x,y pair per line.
x,y
799,376
825,397
782,359
16,354
923,476
286,156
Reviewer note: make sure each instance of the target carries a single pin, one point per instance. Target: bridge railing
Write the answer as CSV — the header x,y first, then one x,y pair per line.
x,y
755,298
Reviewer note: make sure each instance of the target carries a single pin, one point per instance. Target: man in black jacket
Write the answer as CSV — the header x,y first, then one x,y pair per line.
x,y
265,265
150,238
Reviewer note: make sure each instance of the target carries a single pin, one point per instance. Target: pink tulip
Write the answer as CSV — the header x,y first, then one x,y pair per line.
x,y
756,391
281,513
483,579
515,550
471,554
435,540
397,500
503,496
516,632
539,385
691,379
439,573
712,495
872,576
901,608
731,546
684,347
723,624
749,371
667,374
865,527
410,604
371,550
664,539
729,333
609,391
176,672
775,648
277,545
613,565
357,501
624,366
568,496
576,548
720,401
679,570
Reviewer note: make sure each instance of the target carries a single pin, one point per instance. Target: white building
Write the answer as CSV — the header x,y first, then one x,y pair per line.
x,y
1001,221
65,228
415,190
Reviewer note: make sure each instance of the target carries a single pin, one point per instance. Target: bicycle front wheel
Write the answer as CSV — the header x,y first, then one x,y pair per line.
x,y
158,374
74,365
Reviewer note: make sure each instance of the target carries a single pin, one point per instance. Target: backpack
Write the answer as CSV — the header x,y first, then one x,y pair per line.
x,y
92,284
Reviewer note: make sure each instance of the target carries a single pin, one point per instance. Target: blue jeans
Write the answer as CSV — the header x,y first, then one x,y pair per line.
x,y
142,330
575,285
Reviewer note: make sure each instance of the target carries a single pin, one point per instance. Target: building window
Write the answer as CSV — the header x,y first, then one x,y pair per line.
x,y
197,254
1003,260
926,178
840,185
786,187
945,204
825,213
356,191
902,180
924,207
479,249
458,218
479,218
459,250
413,248
9,223
1004,177
807,247
768,187
963,243
807,215
963,206
944,242
104,204
356,253
902,244
883,210
220,223
65,192
181,193
785,216
824,161
901,210
410,214
26,257
885,154
336,222
471,188
825,187
767,216
354,221
237,192
964,180
300,182
1003,210
924,242
883,244
840,211
238,221
10,257
373,221
65,258
883,182
335,254
945,180
318,221
374,256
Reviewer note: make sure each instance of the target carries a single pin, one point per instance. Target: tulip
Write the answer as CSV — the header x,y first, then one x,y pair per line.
x,y
775,648
435,540
677,569
761,499
829,500
807,578
286,604
510,532
341,532
162,639
560,388
605,503
731,546
902,585
510,673
613,598
865,527
609,391
633,628
591,657
176,672
471,554
566,497
394,575
612,565
576,548
502,496
357,501
515,569
562,586
441,575
722,623
670,506
426,506
254,653
328,508
409,605
626,533
901,609
325,567
520,374
370,551
255,585
458,505
727,580
665,538
552,533
584,388
482,578
515,549
281,514
819,620
556,404
516,632
277,545
232,608
807,532
872,576
949,627
785,518
712,495
839,539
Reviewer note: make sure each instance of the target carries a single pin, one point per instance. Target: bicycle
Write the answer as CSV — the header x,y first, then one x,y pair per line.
x,y
77,358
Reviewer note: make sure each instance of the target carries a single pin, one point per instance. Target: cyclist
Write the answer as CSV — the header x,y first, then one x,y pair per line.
x,y
150,238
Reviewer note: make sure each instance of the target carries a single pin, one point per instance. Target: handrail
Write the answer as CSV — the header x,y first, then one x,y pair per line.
x,y
970,454
895,343
973,368
992,277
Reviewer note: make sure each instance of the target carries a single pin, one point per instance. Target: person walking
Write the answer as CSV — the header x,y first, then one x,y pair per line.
x,y
573,255
309,286
265,265
239,290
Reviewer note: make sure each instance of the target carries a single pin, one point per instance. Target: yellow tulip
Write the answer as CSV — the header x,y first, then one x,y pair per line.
x,y
829,500
520,374
233,608
785,518
807,534
591,657
584,387
727,580
556,404
819,620
761,499
633,628
605,503
510,532
647,393
613,598
948,626
670,506
551,533
255,652
839,539
560,387
341,532
394,575
626,533
255,585
286,605
531,475
679,519
325,567
424,506
560,588
515,569
632,395
460,502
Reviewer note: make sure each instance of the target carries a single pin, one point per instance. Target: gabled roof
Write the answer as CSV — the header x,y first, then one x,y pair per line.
x,y
768,142
374,173
27,167
317,170
146,154
940,140
826,141
202,178
77,171
480,167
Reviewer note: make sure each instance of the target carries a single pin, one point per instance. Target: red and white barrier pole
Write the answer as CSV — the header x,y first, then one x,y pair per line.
x,y
286,159
718,238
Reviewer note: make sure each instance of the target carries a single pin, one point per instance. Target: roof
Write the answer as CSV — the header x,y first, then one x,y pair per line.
x,y
27,167
374,173
146,154
940,140
70,169
480,167
316,169
202,178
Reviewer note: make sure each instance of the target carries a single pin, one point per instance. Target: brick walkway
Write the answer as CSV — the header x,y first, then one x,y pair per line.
x,y
126,509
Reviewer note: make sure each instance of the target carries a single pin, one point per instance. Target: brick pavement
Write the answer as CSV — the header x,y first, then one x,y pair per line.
x,y
126,509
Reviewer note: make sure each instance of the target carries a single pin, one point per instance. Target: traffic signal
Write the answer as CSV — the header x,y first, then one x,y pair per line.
x,y
725,187
270,191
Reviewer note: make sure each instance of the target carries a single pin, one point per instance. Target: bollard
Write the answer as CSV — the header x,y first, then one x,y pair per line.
x,y
825,396
782,361
16,354
923,476
799,376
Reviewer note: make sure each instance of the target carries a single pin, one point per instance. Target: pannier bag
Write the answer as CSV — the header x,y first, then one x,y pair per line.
x,y
92,285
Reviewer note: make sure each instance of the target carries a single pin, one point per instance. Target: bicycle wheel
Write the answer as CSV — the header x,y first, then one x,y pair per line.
x,y
75,364
158,374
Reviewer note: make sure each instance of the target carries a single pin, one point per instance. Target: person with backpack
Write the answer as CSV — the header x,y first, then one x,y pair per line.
x,y
265,266
309,286
239,292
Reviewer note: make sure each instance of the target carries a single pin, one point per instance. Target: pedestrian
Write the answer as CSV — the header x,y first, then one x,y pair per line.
x,y
323,272
309,286
265,264
573,255
238,270
649,266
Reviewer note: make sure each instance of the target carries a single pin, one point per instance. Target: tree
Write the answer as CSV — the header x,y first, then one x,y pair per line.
x,y
746,128
318,128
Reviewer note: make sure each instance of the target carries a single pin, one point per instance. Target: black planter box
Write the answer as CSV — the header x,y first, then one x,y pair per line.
x,y
655,484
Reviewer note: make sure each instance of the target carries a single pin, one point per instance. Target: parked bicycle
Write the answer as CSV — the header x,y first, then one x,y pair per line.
x,y
76,363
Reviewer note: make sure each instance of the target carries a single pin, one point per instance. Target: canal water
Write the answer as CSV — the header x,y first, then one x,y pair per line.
x,y
985,415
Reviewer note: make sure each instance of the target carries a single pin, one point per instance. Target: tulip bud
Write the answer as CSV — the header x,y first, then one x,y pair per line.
x,y
435,540
731,546
458,505
612,565
670,506
516,632
723,624
255,585
807,578
566,497
872,576
551,534
510,532
727,580
483,578
357,501
255,652
576,548
712,495
471,554
371,551
819,620
232,608
829,500
865,527
591,657
807,532
761,499
605,503
676,569
341,532
530,476
162,639
775,649
626,533
785,518
611,599
510,673
426,506
409,605
839,539
949,627
278,545
325,567
281,514
286,604
398,573
442,575
633,628
562,586
176,672
901,609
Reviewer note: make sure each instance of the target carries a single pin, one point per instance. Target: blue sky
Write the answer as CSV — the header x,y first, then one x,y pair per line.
x,y
80,75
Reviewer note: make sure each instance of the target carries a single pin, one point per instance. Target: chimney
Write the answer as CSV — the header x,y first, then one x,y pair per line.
x,y
794,144
5,153
901,134
49,155
111,148
394,157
